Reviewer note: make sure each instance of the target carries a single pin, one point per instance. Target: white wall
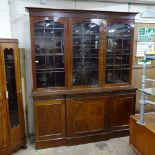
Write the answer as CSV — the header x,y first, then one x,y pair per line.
x,y
5,24
20,28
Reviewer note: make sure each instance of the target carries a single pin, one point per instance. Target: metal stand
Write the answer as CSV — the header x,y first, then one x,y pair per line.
x,y
144,99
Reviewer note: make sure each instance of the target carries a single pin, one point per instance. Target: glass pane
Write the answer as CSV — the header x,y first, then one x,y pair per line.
x,y
85,37
148,91
118,53
11,87
49,49
125,61
117,75
125,77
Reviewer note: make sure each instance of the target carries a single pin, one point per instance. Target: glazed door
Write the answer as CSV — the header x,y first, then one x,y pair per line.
x,y
13,90
119,52
49,51
86,49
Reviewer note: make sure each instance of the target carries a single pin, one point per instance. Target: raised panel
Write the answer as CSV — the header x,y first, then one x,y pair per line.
x,y
50,119
89,115
122,108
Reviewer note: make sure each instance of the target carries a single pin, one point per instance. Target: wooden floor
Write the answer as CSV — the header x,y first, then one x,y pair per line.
x,y
142,137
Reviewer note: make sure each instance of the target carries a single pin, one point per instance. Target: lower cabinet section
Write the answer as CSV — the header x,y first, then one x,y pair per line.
x,y
76,119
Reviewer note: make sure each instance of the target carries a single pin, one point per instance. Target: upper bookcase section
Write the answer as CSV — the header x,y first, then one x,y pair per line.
x,y
76,48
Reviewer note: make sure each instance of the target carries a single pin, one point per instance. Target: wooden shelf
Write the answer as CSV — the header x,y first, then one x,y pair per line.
x,y
50,54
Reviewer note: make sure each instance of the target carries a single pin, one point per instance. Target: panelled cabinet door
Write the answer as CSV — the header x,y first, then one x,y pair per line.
x,y
121,109
118,52
49,52
87,115
49,119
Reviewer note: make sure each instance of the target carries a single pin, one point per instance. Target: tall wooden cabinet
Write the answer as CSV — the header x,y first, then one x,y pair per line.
x,y
81,75
12,129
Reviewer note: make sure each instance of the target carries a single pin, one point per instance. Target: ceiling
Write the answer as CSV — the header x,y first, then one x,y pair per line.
x,y
128,1
149,2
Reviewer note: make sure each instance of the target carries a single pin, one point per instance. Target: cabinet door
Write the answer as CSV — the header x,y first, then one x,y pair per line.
x,y
87,116
122,107
49,119
86,46
13,92
119,52
49,52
